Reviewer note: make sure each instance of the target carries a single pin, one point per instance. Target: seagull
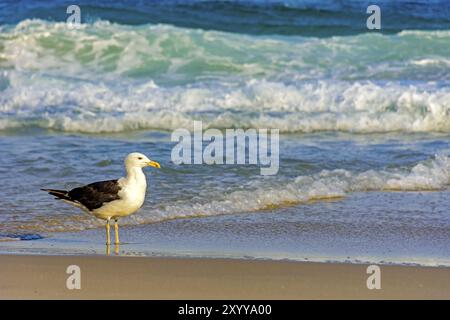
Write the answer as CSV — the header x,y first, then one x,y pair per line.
x,y
112,199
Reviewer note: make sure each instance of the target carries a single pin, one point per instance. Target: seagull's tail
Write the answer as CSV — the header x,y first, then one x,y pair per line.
x,y
59,194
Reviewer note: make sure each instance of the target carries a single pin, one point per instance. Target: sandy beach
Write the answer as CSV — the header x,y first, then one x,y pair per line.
x,y
44,277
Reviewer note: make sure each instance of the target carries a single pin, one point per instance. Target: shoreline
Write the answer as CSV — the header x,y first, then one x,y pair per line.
x,y
117,277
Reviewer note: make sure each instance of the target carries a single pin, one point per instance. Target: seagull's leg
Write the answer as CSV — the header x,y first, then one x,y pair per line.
x,y
116,232
108,237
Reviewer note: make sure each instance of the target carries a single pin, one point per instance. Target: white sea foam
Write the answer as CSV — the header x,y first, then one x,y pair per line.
x,y
429,175
432,62
298,107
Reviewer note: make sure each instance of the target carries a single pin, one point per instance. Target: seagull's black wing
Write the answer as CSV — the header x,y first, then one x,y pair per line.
x,y
94,195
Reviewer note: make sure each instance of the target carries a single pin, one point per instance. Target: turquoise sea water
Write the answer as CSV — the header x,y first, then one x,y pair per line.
x,y
364,119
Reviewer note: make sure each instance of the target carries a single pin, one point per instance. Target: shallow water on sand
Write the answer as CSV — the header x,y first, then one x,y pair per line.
x,y
358,229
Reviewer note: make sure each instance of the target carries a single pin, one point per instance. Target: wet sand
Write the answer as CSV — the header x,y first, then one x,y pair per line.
x,y
44,277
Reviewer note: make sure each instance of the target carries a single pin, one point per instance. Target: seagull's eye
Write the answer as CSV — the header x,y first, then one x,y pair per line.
x,y
140,158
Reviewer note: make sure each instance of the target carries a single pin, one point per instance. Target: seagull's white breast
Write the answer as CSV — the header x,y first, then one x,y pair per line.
x,y
132,196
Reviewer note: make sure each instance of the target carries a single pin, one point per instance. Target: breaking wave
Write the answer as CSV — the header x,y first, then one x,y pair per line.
x,y
101,49
302,107
106,77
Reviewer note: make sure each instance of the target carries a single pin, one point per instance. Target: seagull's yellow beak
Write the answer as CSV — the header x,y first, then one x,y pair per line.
x,y
153,164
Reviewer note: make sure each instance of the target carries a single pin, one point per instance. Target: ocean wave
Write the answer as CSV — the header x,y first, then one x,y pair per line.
x,y
167,53
106,77
256,195
361,107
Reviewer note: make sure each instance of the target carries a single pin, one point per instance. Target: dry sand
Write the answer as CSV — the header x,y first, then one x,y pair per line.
x,y
44,277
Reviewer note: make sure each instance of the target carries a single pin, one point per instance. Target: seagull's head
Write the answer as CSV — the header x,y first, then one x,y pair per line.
x,y
140,160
